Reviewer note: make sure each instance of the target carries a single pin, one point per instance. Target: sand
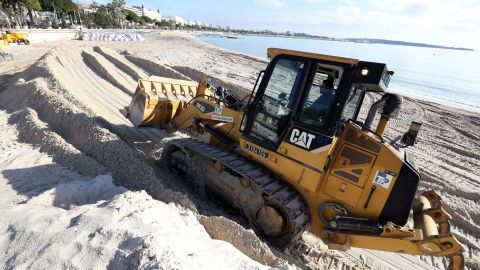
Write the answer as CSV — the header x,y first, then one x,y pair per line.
x,y
63,98
55,218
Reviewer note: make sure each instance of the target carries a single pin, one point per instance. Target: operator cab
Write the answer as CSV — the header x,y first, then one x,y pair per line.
x,y
309,94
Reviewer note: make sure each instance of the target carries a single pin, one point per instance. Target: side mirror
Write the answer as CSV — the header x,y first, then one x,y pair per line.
x,y
409,138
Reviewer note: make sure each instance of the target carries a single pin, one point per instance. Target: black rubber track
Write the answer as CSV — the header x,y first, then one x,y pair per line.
x,y
272,188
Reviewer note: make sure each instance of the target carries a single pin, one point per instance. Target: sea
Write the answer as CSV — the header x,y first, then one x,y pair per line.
x,y
442,75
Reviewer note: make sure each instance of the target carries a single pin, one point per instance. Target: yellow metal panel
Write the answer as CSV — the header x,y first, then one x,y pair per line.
x,y
315,159
310,179
183,120
387,159
342,190
380,195
278,163
353,164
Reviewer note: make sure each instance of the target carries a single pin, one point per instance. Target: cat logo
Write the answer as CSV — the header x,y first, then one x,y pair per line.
x,y
301,138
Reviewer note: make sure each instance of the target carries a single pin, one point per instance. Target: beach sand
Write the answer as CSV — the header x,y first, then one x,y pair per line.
x,y
63,98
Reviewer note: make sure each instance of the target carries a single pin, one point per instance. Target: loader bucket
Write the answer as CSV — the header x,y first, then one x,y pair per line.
x,y
433,220
157,100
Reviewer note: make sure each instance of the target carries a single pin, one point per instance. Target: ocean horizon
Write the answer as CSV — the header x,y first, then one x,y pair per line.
x,y
440,75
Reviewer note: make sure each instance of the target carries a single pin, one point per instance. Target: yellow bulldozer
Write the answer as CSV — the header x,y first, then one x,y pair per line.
x,y
16,37
294,155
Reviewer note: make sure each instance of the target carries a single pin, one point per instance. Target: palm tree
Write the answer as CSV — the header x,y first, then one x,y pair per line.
x,y
115,9
13,10
5,15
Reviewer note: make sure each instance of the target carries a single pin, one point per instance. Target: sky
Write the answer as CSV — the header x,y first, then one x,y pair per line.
x,y
442,22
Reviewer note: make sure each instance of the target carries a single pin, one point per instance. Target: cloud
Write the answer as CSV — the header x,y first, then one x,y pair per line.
x,y
276,4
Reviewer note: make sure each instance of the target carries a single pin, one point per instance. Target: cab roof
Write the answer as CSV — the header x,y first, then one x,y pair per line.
x,y
272,52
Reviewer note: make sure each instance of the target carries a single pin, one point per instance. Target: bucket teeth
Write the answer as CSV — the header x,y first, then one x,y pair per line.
x,y
158,100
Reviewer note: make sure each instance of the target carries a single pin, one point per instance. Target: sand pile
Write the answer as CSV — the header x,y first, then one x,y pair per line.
x,y
75,128
109,227
121,63
53,217
94,140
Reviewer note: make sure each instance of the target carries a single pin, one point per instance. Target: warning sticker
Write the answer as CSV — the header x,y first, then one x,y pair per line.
x,y
383,179
218,109
222,118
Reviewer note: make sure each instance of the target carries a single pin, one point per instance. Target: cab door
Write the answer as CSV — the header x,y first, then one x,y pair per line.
x,y
275,101
288,127
309,141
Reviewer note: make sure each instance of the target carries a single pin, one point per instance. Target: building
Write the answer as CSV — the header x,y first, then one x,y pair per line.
x,y
135,9
152,14
176,20
48,16
142,11
86,8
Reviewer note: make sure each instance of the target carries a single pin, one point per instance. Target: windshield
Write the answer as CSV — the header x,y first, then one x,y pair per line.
x,y
275,106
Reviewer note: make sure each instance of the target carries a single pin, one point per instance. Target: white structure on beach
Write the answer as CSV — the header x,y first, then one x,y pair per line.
x,y
142,11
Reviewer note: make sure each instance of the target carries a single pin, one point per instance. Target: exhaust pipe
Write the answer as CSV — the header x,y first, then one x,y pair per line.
x,y
390,105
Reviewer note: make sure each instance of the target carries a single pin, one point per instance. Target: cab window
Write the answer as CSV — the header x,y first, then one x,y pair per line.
x,y
320,96
273,110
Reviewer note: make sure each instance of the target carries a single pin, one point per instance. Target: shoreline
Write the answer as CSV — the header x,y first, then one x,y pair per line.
x,y
353,40
436,101
406,93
